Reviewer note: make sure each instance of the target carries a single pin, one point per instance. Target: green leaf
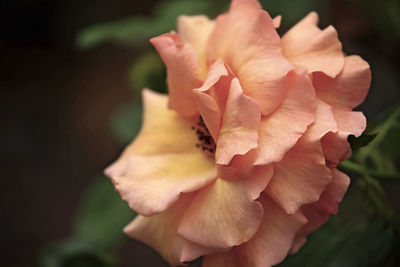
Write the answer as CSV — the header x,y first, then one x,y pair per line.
x,y
126,123
148,71
348,239
136,30
73,253
101,215
361,141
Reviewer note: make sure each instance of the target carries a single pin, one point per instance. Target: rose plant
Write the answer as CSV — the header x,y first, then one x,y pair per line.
x,y
238,162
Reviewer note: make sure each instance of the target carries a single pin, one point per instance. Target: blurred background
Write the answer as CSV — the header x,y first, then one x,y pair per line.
x,y
71,73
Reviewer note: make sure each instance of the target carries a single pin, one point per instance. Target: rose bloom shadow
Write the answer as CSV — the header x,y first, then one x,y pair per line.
x,y
238,162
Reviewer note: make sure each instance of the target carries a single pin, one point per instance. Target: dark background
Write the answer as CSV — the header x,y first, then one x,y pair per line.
x,y
56,103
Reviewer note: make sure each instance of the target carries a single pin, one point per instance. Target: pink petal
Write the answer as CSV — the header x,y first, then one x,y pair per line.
x,y
349,88
301,176
162,162
270,244
182,72
246,39
350,122
159,232
224,214
317,50
336,149
196,31
208,107
277,21
318,213
240,122
280,131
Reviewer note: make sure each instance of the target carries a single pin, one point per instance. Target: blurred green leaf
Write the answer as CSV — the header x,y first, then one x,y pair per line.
x,y
361,141
73,253
126,122
101,215
294,11
348,239
136,30
148,71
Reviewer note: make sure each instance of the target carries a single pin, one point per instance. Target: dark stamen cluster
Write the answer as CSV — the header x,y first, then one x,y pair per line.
x,y
206,142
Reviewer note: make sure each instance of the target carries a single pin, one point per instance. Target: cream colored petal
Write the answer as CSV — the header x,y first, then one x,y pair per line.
x,y
196,31
162,162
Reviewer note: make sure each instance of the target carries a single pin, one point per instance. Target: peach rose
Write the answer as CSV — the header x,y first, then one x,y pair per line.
x,y
238,163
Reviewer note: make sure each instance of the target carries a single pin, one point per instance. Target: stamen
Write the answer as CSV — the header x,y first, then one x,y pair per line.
x,y
206,142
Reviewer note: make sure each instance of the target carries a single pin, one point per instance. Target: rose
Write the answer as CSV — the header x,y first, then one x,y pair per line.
x,y
238,163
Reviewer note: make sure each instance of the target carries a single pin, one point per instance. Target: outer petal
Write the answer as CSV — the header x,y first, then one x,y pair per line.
x,y
159,232
240,122
246,39
301,176
350,122
182,71
336,149
162,162
270,244
196,31
225,214
280,131
318,213
349,88
317,50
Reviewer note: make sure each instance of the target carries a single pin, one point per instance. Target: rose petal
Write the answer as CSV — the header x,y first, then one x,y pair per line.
x,y
280,131
196,31
159,232
240,122
182,72
349,88
162,162
277,21
224,214
270,244
301,176
318,213
208,107
246,39
336,149
350,122
317,50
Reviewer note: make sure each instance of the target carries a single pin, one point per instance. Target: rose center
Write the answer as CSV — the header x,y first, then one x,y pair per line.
x,y
205,141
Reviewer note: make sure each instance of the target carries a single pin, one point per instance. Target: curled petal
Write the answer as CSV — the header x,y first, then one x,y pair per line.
x,y
224,214
196,31
182,72
208,106
240,122
349,88
317,50
301,176
159,232
336,149
277,21
350,122
270,244
280,131
318,213
162,162
246,39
